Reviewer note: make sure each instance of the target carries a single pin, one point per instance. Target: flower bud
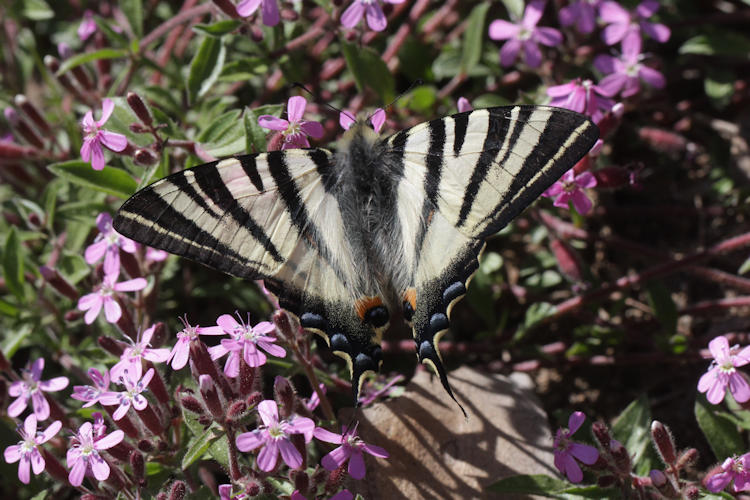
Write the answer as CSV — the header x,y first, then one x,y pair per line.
x,y
300,479
53,466
178,491
4,363
150,420
283,325
111,345
58,283
568,260
284,393
663,140
621,456
687,458
662,483
32,112
605,481
256,34
247,378
191,404
138,465
335,478
130,264
601,433
201,360
144,157
254,399
124,424
73,315
145,446
611,177
121,451
227,8
236,410
662,438
138,128
691,492
139,108
125,323
157,386
252,489
211,397
13,151
23,128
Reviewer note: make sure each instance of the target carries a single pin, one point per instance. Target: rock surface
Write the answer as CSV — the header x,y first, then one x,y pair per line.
x,y
436,453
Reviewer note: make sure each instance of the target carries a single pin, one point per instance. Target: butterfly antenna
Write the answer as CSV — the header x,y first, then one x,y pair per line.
x,y
415,83
315,97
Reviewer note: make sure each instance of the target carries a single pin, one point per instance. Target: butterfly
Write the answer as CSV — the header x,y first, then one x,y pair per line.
x,y
384,225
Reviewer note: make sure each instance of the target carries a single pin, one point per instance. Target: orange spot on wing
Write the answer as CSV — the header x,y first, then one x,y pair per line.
x,y
365,304
410,296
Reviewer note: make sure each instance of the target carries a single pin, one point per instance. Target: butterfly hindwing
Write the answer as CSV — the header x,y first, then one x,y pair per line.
x,y
273,217
466,176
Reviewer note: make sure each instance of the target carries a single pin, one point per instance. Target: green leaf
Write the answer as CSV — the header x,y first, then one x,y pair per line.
x,y
8,309
721,433
198,446
133,10
515,8
534,315
662,304
219,28
633,429
720,43
109,180
244,69
13,264
36,10
14,339
745,267
225,124
473,36
540,484
205,67
369,70
719,87
421,99
448,63
255,135
87,57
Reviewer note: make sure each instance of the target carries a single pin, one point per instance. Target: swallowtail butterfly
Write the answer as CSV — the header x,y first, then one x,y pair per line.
x,y
346,238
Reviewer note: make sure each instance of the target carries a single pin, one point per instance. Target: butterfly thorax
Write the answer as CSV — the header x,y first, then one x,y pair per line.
x,y
366,192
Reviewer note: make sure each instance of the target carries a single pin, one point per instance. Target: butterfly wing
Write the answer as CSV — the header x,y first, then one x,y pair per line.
x,y
465,177
269,216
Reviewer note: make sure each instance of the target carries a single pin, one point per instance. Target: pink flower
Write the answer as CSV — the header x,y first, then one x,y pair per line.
x,y
583,97
524,35
377,119
463,104
273,436
83,457
131,396
181,350
87,26
32,386
244,344
341,495
27,450
723,372
270,10
570,189
623,25
104,297
156,255
132,357
95,137
314,400
108,244
582,13
625,73
567,452
295,130
371,8
733,468
351,449
91,393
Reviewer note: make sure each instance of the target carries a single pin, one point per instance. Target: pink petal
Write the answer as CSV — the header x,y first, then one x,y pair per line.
x,y
147,377
16,388
131,285
572,469
587,19
129,246
269,412
717,391
719,348
217,351
270,13
296,141
509,52
290,454
346,120
577,100
139,402
581,202
112,261
375,18
95,251
180,355
575,421
533,14
313,129
562,200
268,456
614,33
613,12
562,90
336,458
156,355
501,29
40,405
375,451
88,121
232,366
253,357
613,83
463,105
301,425
248,441
377,119
113,141
37,462
718,482
107,108
647,8
352,14
24,475
77,472
532,54
652,77
99,467
246,8
12,454
327,436
632,87
657,31
739,387
585,180
88,301
548,36
17,406
585,453
296,108
110,440
344,494
272,122
356,465
112,310
210,330
30,424
55,384
37,367
264,327
272,349
110,398
227,322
